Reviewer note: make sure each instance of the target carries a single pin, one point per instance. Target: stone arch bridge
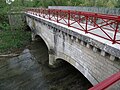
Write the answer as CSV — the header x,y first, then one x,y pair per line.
x,y
95,59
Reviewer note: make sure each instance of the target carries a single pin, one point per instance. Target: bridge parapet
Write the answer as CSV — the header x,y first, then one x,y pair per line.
x,y
70,44
103,28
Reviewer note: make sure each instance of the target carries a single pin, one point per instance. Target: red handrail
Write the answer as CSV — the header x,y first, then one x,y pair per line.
x,y
102,25
107,82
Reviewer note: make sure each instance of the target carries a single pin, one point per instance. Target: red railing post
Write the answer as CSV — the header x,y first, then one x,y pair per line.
x,y
60,13
79,17
57,15
39,12
43,13
68,18
49,14
32,11
86,31
116,30
94,21
35,11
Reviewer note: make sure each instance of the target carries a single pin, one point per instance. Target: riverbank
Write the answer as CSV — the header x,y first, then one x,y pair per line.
x,y
13,40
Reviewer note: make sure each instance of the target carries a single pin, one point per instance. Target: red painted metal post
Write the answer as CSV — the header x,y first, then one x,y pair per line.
x,y
49,14
43,13
60,14
36,12
94,20
57,15
68,18
79,17
39,12
86,31
116,30
33,11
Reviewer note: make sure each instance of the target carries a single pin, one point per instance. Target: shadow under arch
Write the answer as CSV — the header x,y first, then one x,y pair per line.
x,y
73,71
27,28
77,66
41,50
37,36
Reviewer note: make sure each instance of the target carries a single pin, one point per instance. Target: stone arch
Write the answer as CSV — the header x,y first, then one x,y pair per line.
x,y
79,67
50,48
38,35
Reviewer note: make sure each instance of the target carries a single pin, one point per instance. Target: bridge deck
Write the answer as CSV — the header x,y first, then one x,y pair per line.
x,y
74,27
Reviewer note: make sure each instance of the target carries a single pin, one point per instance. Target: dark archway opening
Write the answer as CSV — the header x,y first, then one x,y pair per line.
x,y
27,28
40,50
74,79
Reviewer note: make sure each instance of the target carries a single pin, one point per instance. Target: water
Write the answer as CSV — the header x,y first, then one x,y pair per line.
x,y
30,71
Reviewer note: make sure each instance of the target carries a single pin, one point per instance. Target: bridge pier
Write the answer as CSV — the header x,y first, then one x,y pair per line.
x,y
52,60
33,36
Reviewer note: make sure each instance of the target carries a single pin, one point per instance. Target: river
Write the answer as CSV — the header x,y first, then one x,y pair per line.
x,y
30,71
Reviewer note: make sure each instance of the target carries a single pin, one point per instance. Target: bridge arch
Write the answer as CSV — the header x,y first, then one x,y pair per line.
x,y
61,62
34,36
78,66
53,59
50,47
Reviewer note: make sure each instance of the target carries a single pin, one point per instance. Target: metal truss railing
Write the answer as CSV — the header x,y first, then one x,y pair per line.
x,y
102,25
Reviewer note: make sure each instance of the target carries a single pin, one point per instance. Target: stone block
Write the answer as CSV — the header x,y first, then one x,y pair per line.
x,y
112,58
77,40
72,38
94,49
88,45
82,43
103,53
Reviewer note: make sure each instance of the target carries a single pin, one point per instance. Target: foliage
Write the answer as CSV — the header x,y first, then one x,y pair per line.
x,y
4,26
13,39
46,3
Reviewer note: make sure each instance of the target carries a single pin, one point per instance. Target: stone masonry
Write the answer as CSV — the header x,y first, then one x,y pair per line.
x,y
93,59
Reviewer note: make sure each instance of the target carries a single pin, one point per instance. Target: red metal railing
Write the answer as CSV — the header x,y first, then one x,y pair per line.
x,y
101,25
107,83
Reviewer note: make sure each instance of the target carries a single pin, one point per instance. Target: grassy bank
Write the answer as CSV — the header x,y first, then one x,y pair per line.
x,y
13,39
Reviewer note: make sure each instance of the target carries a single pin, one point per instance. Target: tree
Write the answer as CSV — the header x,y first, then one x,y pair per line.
x,y
118,4
111,3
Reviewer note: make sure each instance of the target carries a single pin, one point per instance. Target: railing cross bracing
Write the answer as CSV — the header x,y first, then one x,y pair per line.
x,y
101,25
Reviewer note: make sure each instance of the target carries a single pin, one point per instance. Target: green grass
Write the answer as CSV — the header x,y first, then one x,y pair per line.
x,y
12,39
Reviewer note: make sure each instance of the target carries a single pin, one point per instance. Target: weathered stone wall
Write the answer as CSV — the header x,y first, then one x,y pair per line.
x,y
113,11
65,44
16,19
